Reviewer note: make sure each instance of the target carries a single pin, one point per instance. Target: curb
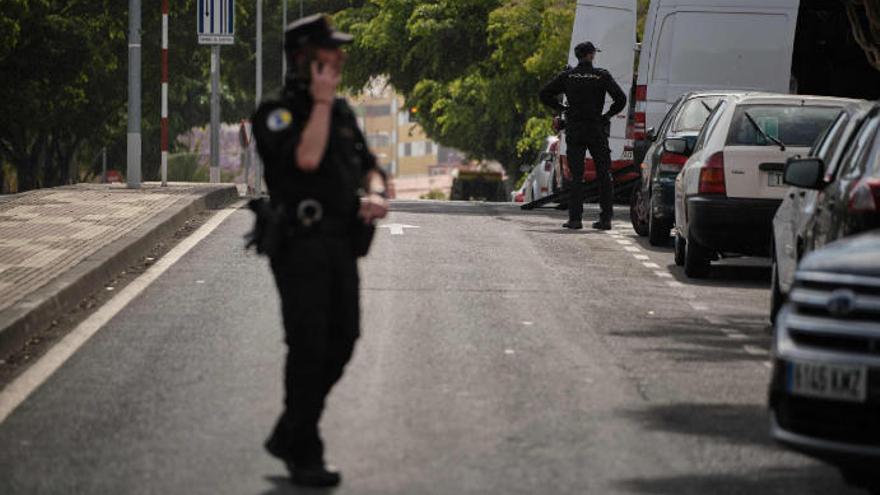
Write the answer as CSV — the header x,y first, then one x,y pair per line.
x,y
38,309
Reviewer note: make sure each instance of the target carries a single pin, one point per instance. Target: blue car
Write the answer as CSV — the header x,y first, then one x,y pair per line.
x,y
652,207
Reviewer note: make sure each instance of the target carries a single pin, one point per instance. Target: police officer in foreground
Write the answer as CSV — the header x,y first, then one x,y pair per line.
x,y
325,191
586,127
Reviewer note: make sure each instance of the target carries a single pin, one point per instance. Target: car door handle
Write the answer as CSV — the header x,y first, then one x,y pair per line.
x,y
803,193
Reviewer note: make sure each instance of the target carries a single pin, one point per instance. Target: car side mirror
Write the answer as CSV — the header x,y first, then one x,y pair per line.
x,y
806,173
679,146
651,134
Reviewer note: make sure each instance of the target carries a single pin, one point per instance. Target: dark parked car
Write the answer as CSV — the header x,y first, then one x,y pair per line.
x,y
652,209
795,225
825,387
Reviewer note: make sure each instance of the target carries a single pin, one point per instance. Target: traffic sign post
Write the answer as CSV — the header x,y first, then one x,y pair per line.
x,y
215,24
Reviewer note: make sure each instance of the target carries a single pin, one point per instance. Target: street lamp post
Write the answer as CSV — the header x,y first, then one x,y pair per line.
x,y
133,140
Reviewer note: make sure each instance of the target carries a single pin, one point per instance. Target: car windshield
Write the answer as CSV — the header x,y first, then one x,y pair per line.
x,y
694,114
794,125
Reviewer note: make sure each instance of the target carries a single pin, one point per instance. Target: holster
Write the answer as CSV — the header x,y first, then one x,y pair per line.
x,y
270,227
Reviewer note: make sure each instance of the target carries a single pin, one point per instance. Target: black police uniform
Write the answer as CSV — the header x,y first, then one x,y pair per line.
x,y
315,267
586,127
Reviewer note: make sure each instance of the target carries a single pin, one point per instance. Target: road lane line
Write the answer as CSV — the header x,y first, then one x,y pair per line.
x,y
699,306
675,284
754,350
649,264
662,274
22,387
715,320
642,257
631,249
733,334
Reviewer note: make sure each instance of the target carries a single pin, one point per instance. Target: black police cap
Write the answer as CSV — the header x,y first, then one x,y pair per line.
x,y
585,48
315,30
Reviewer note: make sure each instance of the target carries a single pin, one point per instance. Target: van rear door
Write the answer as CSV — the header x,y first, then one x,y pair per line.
x,y
611,26
715,45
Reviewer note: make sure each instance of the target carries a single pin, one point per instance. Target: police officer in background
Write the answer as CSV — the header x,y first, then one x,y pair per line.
x,y
586,127
325,190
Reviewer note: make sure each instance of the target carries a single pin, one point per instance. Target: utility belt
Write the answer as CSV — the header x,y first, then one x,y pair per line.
x,y
275,227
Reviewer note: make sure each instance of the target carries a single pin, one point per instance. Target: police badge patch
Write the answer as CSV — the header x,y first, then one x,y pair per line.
x,y
279,120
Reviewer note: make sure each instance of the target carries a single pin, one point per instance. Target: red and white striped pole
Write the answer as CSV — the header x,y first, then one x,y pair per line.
x,y
164,129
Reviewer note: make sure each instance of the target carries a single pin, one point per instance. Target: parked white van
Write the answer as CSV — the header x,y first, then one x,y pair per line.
x,y
611,26
781,46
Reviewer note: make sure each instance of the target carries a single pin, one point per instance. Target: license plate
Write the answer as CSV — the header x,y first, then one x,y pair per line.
x,y
774,179
828,381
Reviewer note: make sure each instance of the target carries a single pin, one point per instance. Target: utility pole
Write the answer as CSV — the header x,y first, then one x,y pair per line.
x,y
164,115
283,28
258,175
215,114
133,155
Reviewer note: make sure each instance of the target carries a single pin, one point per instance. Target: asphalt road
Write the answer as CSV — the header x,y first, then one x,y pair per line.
x,y
500,354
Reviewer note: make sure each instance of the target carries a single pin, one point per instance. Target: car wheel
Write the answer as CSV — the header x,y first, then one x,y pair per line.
x,y
696,259
777,298
658,231
680,245
637,212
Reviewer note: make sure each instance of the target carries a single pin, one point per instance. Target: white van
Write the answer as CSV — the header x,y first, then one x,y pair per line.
x,y
782,46
611,26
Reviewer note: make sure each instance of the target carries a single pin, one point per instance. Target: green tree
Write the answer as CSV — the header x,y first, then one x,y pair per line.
x,y
472,68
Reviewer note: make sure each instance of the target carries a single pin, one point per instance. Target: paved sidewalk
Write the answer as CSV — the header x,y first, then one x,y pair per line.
x,y
45,233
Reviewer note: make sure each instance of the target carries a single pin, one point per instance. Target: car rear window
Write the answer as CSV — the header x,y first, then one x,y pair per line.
x,y
794,125
694,114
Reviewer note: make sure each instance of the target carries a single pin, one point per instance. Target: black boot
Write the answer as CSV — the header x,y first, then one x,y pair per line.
x,y
602,225
573,225
316,475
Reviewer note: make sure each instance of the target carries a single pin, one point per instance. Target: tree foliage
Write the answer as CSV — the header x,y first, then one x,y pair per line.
x,y
472,68
64,70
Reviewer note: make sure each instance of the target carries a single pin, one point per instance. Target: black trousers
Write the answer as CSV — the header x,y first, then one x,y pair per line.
x,y
578,139
317,280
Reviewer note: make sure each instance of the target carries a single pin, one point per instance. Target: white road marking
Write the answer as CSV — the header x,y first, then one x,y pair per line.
x,y
642,257
18,391
509,352
528,323
733,334
632,249
754,350
624,242
768,365
650,264
663,274
397,228
699,306
674,283
715,320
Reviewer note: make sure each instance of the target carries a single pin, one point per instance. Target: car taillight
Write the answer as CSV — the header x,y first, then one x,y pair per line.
x,y
639,116
865,196
712,175
672,162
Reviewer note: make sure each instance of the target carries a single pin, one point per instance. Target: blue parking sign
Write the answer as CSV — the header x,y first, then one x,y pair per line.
x,y
215,22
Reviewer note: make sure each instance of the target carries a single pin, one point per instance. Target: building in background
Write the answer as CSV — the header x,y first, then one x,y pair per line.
x,y
399,143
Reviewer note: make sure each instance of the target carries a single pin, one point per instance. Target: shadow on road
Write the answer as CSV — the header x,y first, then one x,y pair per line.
x,y
696,340
801,481
734,424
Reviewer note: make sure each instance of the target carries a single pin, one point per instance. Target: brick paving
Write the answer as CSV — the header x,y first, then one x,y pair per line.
x,y
45,232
